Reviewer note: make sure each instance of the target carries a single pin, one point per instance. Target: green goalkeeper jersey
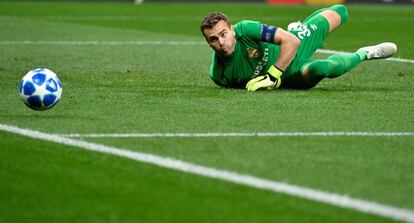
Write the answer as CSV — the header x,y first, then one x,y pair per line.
x,y
252,56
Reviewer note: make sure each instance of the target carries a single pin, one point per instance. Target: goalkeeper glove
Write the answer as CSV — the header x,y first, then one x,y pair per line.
x,y
270,81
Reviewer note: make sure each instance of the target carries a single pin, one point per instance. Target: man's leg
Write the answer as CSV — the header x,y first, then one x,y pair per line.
x,y
338,64
332,67
312,33
335,65
327,20
336,15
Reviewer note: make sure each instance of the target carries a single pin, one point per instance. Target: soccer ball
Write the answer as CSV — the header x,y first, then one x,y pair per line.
x,y
40,89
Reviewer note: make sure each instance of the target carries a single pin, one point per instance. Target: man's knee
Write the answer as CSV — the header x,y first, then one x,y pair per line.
x,y
336,16
342,11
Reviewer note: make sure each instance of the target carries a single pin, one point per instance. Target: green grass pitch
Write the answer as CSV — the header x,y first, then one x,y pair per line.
x,y
155,87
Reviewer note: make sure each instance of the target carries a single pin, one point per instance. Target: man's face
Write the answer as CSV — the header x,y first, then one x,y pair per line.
x,y
221,38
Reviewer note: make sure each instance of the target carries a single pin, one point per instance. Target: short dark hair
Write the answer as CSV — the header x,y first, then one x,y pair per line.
x,y
212,19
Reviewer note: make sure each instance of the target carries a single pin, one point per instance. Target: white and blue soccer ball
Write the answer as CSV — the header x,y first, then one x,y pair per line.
x,y
40,89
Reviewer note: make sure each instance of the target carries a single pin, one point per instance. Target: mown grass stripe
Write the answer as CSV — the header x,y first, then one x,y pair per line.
x,y
242,179
151,42
237,134
88,42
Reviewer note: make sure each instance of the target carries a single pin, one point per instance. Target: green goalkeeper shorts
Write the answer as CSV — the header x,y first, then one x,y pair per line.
x,y
312,34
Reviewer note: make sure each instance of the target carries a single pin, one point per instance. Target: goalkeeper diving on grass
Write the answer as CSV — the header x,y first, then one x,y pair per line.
x,y
257,56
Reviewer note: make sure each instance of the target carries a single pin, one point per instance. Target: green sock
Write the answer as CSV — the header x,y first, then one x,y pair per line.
x,y
362,54
334,66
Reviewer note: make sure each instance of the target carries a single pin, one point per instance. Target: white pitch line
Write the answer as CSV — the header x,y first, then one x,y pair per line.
x,y
145,17
150,42
390,59
237,134
229,176
184,18
87,42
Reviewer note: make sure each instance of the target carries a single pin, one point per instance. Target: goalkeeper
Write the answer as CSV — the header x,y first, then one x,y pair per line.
x,y
256,56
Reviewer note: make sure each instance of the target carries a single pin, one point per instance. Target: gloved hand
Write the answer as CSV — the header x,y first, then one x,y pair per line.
x,y
270,81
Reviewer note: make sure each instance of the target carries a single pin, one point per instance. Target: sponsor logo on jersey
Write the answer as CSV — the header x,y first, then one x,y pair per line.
x,y
262,63
253,53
